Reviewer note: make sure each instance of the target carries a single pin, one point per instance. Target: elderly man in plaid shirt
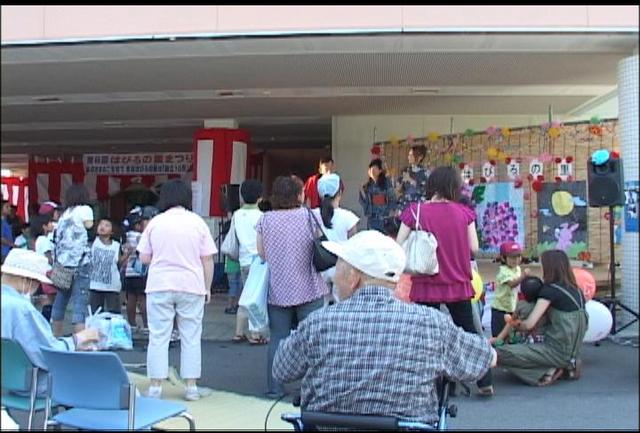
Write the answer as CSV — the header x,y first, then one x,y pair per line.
x,y
372,353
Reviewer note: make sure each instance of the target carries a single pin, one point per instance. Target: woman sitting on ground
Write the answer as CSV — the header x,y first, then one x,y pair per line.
x,y
562,301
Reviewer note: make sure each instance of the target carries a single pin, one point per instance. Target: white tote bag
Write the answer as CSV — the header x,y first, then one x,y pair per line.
x,y
230,246
420,248
254,295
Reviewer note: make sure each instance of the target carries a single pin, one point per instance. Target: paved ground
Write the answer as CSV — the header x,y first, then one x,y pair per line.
x,y
606,397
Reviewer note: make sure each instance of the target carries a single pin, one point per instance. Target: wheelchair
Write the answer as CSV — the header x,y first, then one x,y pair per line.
x,y
310,421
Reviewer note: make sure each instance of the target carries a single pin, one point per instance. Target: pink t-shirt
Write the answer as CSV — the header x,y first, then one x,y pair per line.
x,y
176,239
448,222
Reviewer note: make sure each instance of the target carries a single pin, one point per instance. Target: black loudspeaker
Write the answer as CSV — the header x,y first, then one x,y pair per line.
x,y
605,183
230,197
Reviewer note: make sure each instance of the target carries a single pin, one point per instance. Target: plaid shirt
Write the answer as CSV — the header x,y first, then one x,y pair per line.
x,y
373,354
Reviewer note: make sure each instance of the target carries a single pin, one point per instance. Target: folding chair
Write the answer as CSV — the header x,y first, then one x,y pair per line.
x,y
100,395
19,375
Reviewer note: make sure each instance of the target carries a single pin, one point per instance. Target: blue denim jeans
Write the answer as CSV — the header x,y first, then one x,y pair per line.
x,y
79,295
281,321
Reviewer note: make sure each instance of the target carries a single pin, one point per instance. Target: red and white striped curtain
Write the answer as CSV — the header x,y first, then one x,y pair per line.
x,y
15,190
49,178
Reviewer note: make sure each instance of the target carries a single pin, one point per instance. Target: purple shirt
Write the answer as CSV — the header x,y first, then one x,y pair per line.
x,y
448,222
288,247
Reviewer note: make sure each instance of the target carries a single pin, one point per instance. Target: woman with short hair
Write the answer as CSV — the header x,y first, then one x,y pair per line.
x,y
285,242
178,247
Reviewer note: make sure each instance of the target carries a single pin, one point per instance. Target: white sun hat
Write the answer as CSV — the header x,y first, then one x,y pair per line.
x,y
373,253
28,264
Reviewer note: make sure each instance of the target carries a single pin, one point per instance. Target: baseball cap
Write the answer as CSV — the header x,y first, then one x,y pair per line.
x,y
510,248
373,253
328,185
47,206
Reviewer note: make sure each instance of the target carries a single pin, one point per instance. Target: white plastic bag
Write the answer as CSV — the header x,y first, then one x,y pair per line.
x,y
254,295
420,249
115,331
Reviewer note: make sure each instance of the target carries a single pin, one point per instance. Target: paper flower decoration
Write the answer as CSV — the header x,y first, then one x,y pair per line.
x,y
595,120
600,157
469,132
595,130
410,140
376,150
546,157
554,132
456,158
615,154
433,136
505,132
492,152
394,141
536,185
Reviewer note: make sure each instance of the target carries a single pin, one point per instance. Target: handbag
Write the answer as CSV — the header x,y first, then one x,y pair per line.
x,y
254,295
323,259
420,249
231,247
62,276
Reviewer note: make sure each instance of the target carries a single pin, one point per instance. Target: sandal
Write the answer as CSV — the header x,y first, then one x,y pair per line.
x,y
486,391
551,376
573,373
258,341
239,338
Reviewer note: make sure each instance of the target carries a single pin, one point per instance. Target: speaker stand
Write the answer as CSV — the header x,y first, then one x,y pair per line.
x,y
611,301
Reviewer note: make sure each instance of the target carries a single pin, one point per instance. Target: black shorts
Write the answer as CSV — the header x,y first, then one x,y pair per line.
x,y
134,285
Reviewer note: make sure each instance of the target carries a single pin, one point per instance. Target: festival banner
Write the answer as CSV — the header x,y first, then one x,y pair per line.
x,y
138,163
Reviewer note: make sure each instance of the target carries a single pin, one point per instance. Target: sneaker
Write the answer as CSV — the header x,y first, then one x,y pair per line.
x,y
192,393
154,392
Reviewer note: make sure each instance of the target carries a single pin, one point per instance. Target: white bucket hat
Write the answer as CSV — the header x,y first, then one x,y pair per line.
x,y
28,264
373,253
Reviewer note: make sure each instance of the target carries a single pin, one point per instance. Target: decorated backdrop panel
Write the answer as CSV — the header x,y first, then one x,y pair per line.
x,y
562,218
500,215
528,158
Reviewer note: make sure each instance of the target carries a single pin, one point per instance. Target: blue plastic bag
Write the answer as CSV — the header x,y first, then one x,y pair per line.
x,y
115,331
254,295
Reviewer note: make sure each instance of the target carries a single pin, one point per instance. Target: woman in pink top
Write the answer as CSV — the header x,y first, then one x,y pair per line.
x,y
453,225
285,241
179,248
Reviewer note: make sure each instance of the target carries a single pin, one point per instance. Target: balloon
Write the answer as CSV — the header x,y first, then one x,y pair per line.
x,y
586,282
600,322
478,287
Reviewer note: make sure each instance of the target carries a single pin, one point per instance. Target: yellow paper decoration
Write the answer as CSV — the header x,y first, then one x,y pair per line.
x,y
501,155
394,141
505,132
554,132
448,158
492,152
433,136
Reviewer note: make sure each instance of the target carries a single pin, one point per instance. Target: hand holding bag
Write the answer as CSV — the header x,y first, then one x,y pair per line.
x,y
231,247
322,258
420,249
254,295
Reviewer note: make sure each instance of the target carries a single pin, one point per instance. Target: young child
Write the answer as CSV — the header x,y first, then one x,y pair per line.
x,y
105,285
507,281
530,289
134,279
25,240
42,227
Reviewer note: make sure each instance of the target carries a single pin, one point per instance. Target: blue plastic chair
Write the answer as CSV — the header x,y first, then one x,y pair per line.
x,y
97,389
19,375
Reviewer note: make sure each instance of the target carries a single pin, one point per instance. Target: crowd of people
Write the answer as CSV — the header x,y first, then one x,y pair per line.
x,y
342,332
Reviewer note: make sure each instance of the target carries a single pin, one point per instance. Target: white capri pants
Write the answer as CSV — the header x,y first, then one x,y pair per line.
x,y
161,309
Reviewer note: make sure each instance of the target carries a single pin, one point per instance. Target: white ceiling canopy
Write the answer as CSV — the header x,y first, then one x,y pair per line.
x,y
153,95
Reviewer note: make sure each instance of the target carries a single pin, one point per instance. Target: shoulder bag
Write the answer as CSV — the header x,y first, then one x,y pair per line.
x,y
322,258
231,247
420,248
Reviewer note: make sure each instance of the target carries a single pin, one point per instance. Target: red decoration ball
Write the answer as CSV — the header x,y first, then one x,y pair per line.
x,y
615,154
558,160
569,159
507,160
541,178
536,186
461,165
492,161
483,180
558,179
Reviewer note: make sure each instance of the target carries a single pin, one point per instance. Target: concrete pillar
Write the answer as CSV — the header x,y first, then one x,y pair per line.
x,y
628,130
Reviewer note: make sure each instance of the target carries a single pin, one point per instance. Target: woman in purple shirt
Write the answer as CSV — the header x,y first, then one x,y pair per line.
x,y
285,242
453,225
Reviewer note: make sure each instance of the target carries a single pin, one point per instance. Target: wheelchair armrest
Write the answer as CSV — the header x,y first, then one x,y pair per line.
x,y
371,422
